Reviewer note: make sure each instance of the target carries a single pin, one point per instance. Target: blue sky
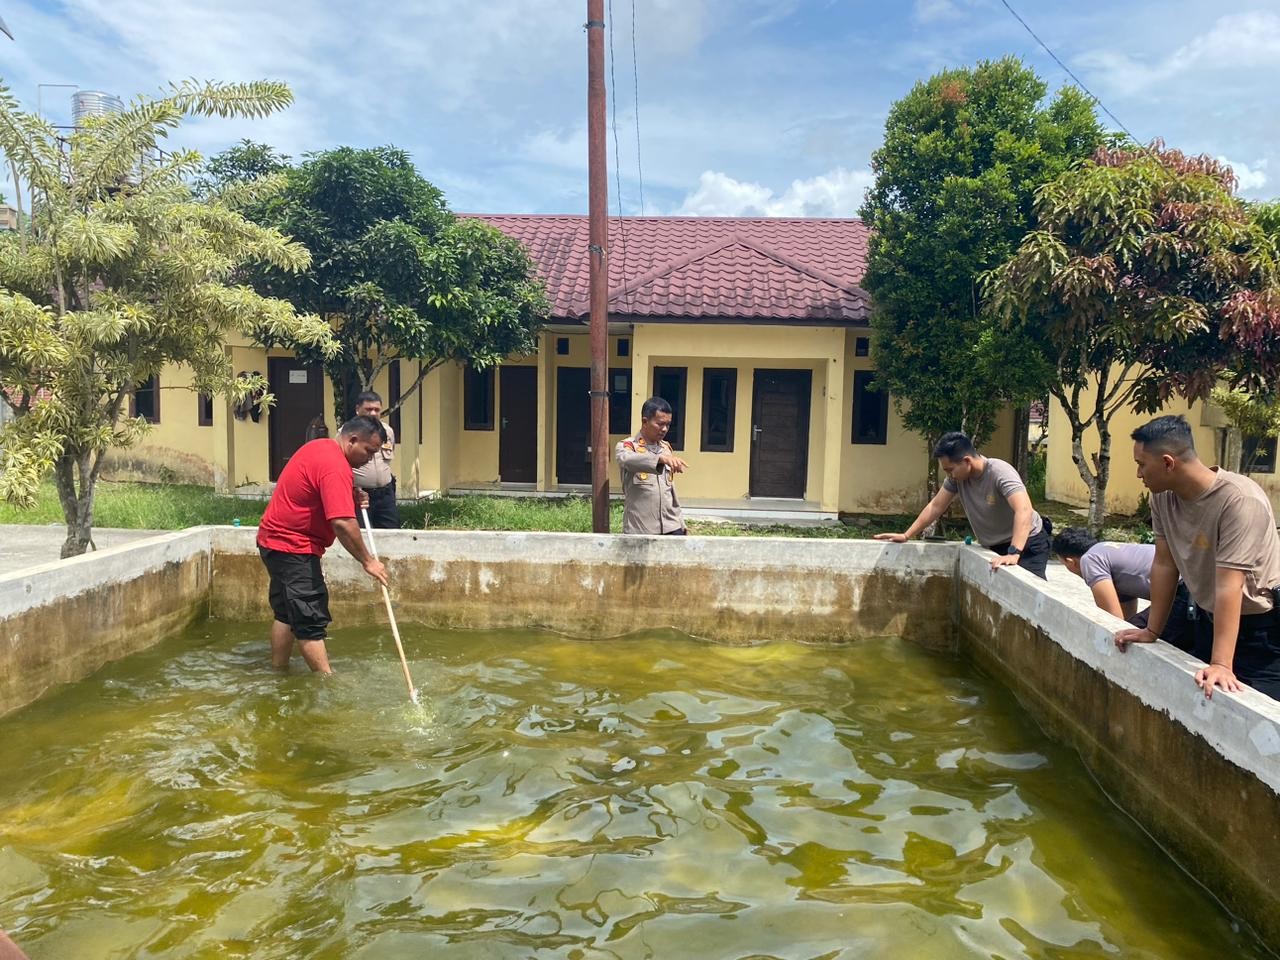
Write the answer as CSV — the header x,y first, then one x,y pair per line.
x,y
744,106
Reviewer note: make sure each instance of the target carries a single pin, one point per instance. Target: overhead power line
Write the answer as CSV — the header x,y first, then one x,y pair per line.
x,y
1078,82
635,73
617,159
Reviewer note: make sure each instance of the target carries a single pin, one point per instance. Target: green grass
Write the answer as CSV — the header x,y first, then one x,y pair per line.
x,y
143,506
174,506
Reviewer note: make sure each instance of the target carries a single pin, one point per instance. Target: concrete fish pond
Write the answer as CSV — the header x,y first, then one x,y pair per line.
x,y
625,748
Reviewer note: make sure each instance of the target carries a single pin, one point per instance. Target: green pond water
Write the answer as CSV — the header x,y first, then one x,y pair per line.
x,y
653,797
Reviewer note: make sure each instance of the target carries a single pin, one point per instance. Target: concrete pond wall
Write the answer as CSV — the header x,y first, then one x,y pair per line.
x,y
1202,777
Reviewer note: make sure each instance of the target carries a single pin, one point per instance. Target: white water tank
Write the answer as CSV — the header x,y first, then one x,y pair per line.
x,y
93,103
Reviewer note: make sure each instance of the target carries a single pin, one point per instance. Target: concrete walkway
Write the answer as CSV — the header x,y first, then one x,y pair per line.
x,y
28,545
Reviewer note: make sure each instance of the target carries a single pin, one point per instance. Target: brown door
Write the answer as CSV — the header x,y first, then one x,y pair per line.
x,y
780,433
573,425
299,393
518,426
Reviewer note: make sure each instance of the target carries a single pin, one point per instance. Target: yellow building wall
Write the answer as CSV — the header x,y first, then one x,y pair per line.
x,y
177,449
476,459
1062,479
841,476
879,478
746,348
235,453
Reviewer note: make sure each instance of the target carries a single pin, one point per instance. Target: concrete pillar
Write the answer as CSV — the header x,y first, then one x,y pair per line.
x,y
833,428
224,444
546,403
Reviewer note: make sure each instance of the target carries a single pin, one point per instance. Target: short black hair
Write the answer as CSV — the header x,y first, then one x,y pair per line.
x,y
364,427
1169,434
954,446
367,396
1073,542
654,405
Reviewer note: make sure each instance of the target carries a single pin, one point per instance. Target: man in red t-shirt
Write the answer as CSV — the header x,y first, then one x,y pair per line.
x,y
314,501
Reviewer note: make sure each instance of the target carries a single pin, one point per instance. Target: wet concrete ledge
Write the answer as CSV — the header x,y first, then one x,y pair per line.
x,y
61,621
1202,777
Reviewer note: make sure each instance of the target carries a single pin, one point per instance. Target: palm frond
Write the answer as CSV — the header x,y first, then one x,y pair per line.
x,y
256,98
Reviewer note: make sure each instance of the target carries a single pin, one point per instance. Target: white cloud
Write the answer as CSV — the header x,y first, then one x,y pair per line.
x,y
1234,44
1248,177
837,193
930,11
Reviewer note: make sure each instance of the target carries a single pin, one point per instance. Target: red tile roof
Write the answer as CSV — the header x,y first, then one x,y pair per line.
x,y
770,270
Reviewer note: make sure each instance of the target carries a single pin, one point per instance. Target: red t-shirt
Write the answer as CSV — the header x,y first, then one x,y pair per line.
x,y
314,488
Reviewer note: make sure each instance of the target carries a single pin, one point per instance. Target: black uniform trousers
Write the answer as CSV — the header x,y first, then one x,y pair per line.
x,y
1035,555
1257,659
383,512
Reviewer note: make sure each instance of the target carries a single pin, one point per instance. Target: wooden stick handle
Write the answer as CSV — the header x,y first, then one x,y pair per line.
x,y
386,598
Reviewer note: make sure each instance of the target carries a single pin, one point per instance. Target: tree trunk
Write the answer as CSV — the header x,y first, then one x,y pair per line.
x,y
347,384
931,484
1021,440
1102,467
1082,467
77,503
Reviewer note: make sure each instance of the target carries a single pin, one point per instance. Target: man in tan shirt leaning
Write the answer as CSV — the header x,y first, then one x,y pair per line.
x,y
1217,530
648,467
375,477
995,501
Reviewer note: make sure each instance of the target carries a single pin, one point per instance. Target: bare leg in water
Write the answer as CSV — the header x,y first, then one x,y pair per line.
x,y
313,652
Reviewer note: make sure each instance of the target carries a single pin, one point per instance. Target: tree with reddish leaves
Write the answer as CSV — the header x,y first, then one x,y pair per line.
x,y
1146,278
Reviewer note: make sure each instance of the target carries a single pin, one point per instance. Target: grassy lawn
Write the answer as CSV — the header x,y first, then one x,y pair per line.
x,y
174,506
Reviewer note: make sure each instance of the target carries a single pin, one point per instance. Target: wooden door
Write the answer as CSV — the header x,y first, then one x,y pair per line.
x,y
780,433
299,393
573,425
518,424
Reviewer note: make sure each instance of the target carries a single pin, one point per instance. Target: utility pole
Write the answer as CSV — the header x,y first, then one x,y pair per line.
x,y
598,208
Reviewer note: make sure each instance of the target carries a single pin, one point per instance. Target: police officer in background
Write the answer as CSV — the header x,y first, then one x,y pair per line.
x,y
648,468
375,477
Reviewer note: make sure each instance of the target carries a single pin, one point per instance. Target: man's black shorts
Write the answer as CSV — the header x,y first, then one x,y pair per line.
x,y
298,595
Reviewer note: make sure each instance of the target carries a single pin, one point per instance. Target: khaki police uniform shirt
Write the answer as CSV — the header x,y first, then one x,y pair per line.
x,y
1229,525
986,502
377,472
647,487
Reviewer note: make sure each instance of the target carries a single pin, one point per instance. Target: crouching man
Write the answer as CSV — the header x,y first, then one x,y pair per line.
x,y
1119,575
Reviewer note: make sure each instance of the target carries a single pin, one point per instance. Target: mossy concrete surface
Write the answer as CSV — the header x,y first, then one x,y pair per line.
x,y
1201,776
61,621
585,585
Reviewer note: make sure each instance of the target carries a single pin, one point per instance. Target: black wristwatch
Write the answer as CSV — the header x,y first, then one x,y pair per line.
x,y
1013,552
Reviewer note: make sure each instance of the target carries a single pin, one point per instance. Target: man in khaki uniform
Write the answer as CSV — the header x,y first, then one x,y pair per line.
x,y
375,477
648,468
995,501
1217,530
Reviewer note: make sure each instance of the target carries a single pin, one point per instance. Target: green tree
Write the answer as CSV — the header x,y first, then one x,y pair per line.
x,y
1146,278
397,275
244,163
963,155
122,273
1252,417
